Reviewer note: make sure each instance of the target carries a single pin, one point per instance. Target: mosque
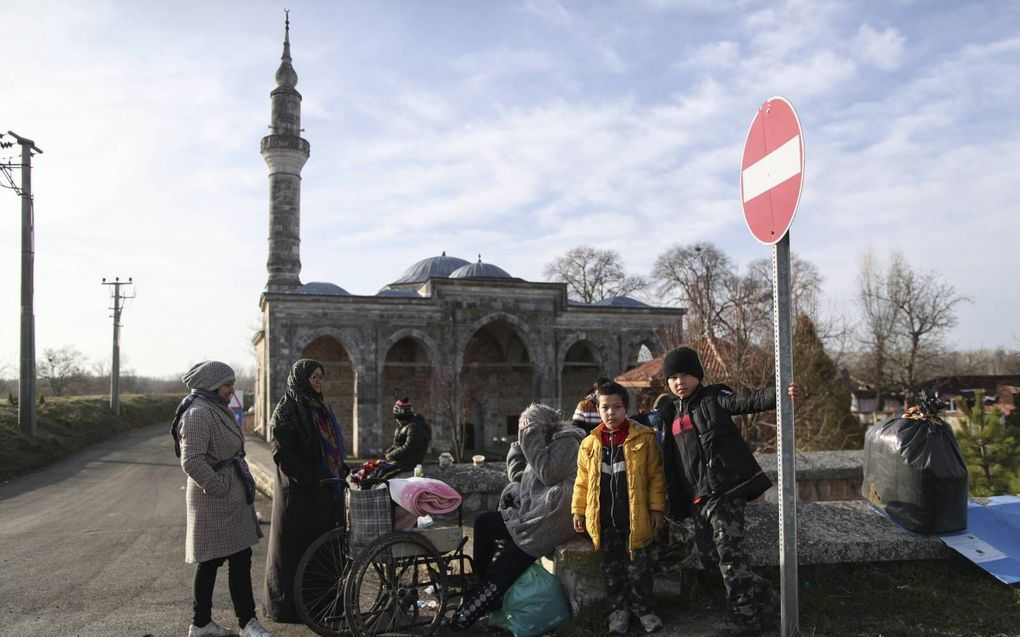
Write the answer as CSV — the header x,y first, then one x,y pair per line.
x,y
468,342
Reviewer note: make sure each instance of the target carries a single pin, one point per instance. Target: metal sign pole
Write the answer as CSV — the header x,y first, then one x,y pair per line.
x,y
785,445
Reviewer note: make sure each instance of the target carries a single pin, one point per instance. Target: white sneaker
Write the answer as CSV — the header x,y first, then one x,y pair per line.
x,y
254,628
651,622
619,622
212,629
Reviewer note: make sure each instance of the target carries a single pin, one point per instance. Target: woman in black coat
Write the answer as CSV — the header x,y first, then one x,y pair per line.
x,y
307,447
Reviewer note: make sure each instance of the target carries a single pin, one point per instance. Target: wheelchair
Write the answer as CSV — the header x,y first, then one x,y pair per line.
x,y
365,579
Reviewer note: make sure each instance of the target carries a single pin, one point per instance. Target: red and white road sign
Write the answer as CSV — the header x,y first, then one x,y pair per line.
x,y
772,171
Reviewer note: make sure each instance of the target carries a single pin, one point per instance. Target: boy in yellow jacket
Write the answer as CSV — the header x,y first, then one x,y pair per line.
x,y
620,498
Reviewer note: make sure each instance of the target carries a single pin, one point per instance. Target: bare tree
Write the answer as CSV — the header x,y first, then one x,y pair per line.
x,y
62,368
592,274
697,276
905,314
927,310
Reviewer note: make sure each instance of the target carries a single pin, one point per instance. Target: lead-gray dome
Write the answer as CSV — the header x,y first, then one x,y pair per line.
x,y
320,287
480,270
620,301
433,267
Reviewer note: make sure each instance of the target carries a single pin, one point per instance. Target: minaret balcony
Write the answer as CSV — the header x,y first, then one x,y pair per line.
x,y
285,142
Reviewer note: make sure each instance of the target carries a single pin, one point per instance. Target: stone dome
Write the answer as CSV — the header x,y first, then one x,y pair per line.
x,y
319,287
620,301
480,270
433,267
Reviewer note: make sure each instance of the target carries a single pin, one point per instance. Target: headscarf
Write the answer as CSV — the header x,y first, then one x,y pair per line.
x,y
208,375
203,379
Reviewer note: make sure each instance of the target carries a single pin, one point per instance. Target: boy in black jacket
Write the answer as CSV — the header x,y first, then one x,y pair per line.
x,y
711,474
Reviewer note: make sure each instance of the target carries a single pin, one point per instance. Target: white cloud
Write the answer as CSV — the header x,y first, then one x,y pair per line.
x,y
551,11
881,49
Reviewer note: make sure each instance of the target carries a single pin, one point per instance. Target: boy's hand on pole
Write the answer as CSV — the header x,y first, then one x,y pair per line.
x,y
579,523
791,390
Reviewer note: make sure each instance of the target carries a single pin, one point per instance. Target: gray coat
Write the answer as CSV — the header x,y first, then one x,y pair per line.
x,y
220,521
543,521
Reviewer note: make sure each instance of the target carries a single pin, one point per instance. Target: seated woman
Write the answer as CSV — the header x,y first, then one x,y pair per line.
x,y
532,522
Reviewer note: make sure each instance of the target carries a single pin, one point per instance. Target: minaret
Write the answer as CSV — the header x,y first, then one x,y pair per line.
x,y
285,153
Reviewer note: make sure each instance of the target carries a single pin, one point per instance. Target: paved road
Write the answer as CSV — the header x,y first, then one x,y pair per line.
x,y
94,545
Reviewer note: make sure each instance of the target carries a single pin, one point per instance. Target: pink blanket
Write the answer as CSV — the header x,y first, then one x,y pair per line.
x,y
422,496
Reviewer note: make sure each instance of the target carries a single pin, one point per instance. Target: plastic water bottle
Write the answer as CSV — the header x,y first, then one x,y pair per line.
x,y
419,471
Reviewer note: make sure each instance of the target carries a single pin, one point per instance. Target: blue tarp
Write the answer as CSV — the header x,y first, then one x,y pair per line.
x,y
992,537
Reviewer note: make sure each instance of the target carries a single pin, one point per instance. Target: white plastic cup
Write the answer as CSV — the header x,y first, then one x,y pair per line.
x,y
478,460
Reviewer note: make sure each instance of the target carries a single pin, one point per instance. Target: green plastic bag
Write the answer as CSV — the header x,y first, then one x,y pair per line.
x,y
533,606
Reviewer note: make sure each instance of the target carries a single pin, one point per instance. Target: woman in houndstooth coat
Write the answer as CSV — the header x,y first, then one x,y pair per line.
x,y
221,522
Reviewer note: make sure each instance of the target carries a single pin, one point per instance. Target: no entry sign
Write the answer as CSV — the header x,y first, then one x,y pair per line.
x,y
771,173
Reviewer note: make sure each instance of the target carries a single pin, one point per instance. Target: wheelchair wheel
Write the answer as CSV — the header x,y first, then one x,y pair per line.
x,y
397,587
319,584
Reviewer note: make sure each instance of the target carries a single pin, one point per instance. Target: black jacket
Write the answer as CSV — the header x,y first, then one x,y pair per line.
x,y
725,465
410,442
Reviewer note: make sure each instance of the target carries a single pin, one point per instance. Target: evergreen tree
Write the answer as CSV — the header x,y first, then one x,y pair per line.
x,y
991,450
824,420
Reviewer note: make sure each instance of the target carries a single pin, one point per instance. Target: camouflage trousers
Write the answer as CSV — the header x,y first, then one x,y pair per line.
x,y
751,600
628,580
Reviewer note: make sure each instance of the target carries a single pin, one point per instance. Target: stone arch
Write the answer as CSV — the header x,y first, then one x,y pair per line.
x,y
338,388
534,352
406,368
305,337
633,345
498,371
580,361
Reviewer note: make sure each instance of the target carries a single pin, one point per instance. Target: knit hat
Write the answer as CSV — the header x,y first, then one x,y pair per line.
x,y
403,409
682,360
208,375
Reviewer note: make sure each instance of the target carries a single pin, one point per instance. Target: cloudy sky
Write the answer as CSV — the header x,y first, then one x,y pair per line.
x,y
515,130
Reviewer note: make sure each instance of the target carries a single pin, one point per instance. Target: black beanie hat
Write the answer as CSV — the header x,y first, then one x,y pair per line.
x,y
682,360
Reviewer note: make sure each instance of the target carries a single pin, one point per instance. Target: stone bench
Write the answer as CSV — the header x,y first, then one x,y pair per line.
x,y
827,533
822,476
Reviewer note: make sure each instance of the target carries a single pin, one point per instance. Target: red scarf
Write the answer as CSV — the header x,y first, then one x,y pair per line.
x,y
618,435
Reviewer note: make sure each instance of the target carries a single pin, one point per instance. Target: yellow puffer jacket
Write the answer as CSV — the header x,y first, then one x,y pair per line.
x,y
646,487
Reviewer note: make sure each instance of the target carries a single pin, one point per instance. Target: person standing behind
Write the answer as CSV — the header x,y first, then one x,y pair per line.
x,y
307,446
410,438
586,414
712,474
220,496
620,498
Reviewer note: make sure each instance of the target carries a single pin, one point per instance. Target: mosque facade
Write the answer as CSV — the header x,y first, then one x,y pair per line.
x,y
469,343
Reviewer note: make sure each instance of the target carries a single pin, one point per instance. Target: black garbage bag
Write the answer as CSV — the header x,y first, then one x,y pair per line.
x,y
915,472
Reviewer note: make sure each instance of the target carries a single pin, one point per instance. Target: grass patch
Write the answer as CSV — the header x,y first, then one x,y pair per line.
x,y
944,598
68,423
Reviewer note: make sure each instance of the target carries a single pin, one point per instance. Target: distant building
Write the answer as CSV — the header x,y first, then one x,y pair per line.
x,y
958,392
466,341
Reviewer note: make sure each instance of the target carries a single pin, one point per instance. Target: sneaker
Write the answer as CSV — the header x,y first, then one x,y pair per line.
x,y
619,622
254,628
651,622
212,629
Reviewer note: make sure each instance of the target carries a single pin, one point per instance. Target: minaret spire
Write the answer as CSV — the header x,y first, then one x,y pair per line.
x,y
285,152
286,77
